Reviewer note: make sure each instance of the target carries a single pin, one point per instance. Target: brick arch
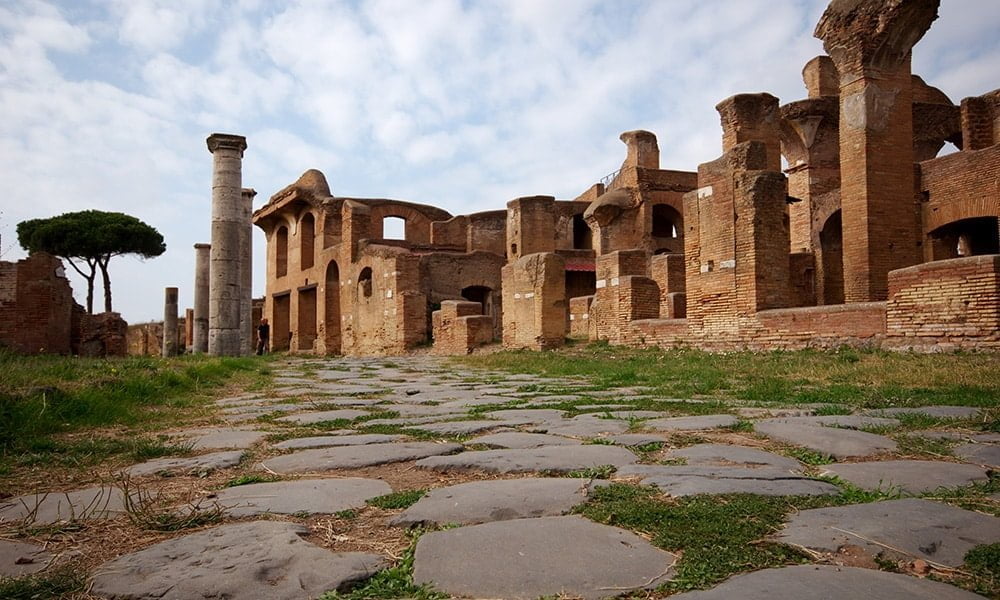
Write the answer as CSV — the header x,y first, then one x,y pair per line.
x,y
418,222
937,216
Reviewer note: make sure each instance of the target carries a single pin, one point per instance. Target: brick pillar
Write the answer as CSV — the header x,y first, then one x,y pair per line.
x,y
228,225
531,226
752,118
870,43
170,322
643,150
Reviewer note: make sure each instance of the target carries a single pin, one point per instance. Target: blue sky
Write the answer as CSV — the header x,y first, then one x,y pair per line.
x,y
460,104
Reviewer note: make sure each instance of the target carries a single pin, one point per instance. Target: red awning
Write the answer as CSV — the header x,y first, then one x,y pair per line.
x,y
581,265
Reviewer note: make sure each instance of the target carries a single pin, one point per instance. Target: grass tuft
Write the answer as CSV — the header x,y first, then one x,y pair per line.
x,y
394,582
395,500
60,583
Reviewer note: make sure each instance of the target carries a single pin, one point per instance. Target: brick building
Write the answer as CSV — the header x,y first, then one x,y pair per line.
x,y
864,237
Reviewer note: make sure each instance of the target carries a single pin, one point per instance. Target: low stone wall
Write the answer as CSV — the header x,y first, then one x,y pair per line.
x,y
945,305
100,335
146,339
460,326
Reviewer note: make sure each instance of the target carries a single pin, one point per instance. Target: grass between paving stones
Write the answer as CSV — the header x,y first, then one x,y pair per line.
x,y
43,397
59,583
851,377
250,478
394,582
716,536
395,500
983,564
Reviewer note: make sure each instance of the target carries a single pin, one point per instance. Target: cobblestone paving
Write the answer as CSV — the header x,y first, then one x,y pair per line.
x,y
505,459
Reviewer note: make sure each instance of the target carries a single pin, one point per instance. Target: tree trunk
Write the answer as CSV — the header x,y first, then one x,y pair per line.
x,y
90,281
107,283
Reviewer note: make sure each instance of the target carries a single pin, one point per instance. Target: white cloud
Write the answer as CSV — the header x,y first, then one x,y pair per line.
x,y
460,104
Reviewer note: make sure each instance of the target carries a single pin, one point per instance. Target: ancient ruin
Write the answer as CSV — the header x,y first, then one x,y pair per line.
x,y
741,253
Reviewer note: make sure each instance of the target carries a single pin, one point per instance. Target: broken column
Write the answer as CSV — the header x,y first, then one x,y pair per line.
x,y
225,336
202,262
170,322
870,43
246,273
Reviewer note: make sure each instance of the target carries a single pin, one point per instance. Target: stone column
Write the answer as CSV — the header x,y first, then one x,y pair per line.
x,y
870,43
202,269
246,272
225,289
170,322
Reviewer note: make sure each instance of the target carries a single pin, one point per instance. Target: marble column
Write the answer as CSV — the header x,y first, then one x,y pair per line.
x,y
228,223
247,345
170,322
202,270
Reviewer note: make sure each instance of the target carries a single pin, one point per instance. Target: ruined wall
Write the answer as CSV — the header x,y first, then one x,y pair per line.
x,y
622,293
36,305
460,326
534,302
579,316
531,223
945,305
146,339
100,335
383,304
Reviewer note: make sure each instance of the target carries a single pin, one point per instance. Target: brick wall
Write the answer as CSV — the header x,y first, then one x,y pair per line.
x,y
460,326
958,186
579,316
36,305
534,302
146,339
100,335
945,305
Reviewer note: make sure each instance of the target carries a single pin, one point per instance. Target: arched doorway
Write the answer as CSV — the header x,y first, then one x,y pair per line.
x,y
331,312
967,237
583,238
832,261
281,252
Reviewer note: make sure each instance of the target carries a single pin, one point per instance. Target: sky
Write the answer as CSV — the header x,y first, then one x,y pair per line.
x,y
462,104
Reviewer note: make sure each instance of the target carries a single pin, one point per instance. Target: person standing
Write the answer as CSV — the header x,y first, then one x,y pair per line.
x,y
263,337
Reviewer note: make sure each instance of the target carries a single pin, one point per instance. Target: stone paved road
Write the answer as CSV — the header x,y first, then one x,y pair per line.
x,y
497,449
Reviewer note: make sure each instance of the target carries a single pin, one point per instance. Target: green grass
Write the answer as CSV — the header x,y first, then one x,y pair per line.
x,y
394,582
599,472
43,396
60,583
718,536
250,479
983,562
86,452
854,378
807,456
397,500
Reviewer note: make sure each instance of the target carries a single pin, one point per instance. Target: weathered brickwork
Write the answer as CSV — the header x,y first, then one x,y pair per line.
x,y
36,305
146,339
945,305
459,327
739,254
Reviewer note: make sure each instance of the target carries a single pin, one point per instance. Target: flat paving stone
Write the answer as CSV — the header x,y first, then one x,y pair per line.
x,y
326,441
726,455
839,443
529,415
240,561
468,427
518,439
194,465
756,412
19,558
636,414
547,556
842,421
498,500
932,531
324,415
691,423
585,426
313,496
980,454
354,457
911,476
214,438
637,439
944,412
560,459
824,582
692,480
102,502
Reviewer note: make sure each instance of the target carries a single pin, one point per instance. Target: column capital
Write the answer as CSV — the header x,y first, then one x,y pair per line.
x,y
201,246
872,36
249,192
227,141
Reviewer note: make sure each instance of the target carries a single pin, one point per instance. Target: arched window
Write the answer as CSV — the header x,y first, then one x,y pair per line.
x,y
582,237
365,282
307,239
281,252
667,221
393,228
